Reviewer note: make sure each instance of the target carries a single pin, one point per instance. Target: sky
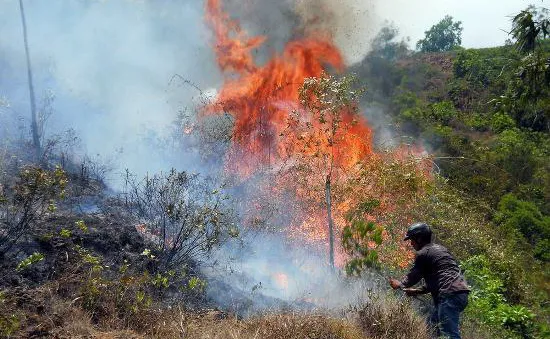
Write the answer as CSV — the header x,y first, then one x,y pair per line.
x,y
109,63
485,22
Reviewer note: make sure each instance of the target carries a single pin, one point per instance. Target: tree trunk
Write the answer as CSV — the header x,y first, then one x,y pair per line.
x,y
34,119
330,223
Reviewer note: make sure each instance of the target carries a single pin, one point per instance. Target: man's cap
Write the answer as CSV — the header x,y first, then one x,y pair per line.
x,y
416,229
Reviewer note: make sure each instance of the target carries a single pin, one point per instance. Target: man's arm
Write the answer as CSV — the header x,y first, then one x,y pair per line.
x,y
412,278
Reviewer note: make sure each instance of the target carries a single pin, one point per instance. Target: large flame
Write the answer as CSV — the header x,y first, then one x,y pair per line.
x,y
261,97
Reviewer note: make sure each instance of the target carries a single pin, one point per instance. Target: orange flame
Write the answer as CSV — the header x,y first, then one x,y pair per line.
x,y
281,279
260,99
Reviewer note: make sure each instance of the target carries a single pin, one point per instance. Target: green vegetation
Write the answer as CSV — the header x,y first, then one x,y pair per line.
x,y
444,36
484,114
488,303
360,238
30,260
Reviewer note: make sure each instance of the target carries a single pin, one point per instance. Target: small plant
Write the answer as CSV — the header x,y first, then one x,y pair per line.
x,y
162,280
82,226
46,237
29,261
361,238
87,258
147,253
142,301
65,233
196,284
52,207
9,324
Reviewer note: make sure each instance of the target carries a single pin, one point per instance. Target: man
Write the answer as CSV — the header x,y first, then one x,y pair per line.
x,y
442,277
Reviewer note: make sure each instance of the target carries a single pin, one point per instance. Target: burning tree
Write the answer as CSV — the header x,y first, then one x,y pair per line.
x,y
301,127
259,97
323,134
325,139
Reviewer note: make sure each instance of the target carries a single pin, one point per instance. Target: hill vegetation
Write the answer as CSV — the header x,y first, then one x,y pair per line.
x,y
484,114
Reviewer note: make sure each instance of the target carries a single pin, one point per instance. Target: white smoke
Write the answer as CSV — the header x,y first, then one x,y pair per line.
x,y
267,272
109,64
352,23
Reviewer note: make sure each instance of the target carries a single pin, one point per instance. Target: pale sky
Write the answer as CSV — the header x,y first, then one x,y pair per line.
x,y
356,22
483,20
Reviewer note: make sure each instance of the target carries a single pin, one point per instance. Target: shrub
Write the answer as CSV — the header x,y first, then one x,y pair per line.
x,y
487,301
185,215
443,112
478,122
515,152
525,217
501,122
27,201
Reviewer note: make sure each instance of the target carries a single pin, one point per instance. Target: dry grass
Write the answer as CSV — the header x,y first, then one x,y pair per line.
x,y
63,318
383,318
276,326
56,310
391,318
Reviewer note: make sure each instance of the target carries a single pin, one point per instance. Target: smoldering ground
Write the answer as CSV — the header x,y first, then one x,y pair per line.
x,y
266,273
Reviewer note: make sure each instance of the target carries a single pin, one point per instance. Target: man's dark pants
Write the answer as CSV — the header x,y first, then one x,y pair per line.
x,y
446,315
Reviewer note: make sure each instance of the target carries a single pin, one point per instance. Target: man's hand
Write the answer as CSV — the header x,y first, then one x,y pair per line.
x,y
395,284
411,292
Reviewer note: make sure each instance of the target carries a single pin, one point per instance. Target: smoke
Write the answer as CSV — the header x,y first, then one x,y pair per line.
x,y
265,272
352,23
109,64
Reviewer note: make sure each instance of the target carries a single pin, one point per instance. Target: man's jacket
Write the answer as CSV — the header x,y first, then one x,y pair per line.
x,y
440,271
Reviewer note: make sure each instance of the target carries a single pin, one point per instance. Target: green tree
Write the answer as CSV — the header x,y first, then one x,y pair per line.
x,y
529,27
529,91
444,36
